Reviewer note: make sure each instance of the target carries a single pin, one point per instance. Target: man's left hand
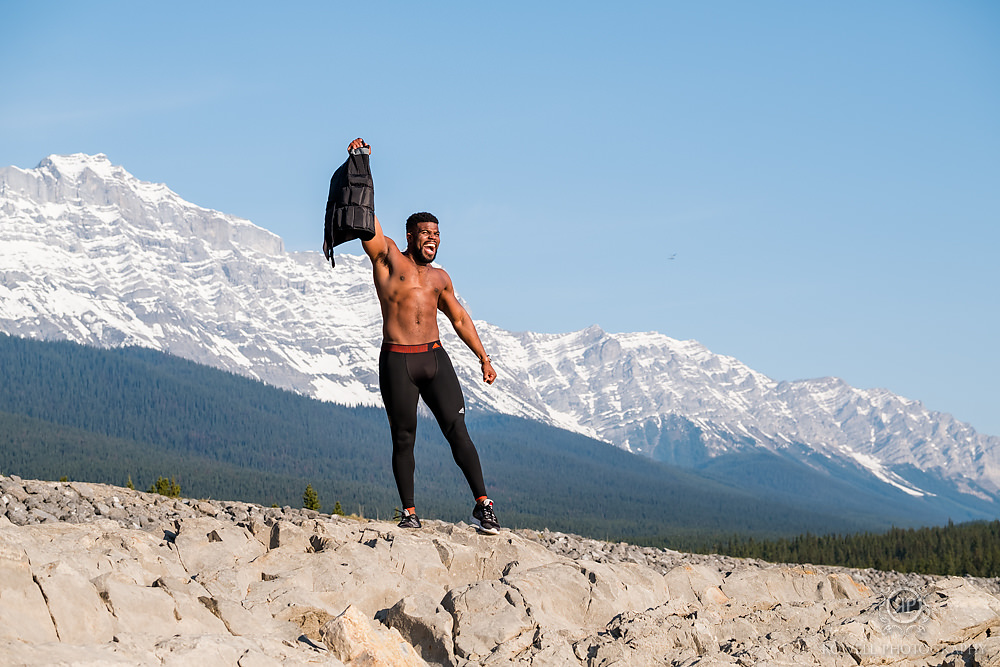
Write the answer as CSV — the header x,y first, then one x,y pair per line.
x,y
489,375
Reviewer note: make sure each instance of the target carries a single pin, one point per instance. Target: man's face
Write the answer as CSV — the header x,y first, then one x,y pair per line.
x,y
424,241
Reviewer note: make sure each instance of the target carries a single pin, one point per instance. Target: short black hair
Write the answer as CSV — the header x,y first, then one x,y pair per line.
x,y
423,216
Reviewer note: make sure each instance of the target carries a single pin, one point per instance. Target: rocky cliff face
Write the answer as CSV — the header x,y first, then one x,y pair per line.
x,y
98,575
94,255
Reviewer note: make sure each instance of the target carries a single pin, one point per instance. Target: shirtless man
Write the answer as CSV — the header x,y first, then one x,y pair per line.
x,y
413,363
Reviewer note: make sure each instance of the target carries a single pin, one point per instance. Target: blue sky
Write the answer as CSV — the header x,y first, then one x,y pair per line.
x,y
827,175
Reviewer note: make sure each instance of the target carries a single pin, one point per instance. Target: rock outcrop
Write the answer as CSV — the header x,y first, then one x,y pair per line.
x,y
99,575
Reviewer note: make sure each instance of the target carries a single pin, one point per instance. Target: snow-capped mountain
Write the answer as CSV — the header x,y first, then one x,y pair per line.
x,y
92,254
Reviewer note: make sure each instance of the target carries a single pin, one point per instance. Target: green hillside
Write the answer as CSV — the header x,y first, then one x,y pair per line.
x,y
104,415
41,450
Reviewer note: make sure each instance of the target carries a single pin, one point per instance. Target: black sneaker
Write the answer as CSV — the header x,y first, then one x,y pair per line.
x,y
408,519
485,519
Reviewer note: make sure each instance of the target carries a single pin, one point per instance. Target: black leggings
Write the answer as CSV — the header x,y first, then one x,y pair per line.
x,y
403,377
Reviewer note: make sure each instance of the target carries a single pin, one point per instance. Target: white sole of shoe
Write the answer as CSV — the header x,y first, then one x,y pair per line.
x,y
486,531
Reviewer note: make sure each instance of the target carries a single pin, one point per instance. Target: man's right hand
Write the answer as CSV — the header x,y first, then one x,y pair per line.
x,y
358,143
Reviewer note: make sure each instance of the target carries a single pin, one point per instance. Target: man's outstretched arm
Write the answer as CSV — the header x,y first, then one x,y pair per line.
x,y
465,328
378,246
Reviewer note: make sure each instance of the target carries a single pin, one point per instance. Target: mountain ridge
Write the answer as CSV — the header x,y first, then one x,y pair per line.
x,y
99,257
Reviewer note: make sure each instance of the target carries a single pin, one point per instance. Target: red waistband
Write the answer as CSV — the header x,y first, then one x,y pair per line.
x,y
411,349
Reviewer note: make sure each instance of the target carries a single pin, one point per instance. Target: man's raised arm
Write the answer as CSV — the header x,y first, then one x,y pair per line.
x,y
378,246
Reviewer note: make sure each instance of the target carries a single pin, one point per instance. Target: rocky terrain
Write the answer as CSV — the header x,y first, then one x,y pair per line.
x,y
99,575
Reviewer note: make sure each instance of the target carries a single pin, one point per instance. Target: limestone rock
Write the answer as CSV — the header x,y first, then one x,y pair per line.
x,y
208,544
137,609
489,615
576,597
113,576
694,584
286,535
426,625
79,614
356,640
23,612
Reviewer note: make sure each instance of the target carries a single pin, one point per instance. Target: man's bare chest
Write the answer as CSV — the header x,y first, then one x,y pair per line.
x,y
416,284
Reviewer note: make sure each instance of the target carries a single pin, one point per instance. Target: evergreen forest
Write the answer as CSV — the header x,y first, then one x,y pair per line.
x,y
971,548
138,415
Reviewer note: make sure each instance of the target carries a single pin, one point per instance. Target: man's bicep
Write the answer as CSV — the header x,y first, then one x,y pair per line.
x,y
377,248
449,304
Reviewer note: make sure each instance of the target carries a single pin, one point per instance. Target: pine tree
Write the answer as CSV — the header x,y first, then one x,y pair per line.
x,y
310,499
166,487
337,509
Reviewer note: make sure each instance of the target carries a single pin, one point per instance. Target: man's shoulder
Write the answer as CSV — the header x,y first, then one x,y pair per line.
x,y
440,274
